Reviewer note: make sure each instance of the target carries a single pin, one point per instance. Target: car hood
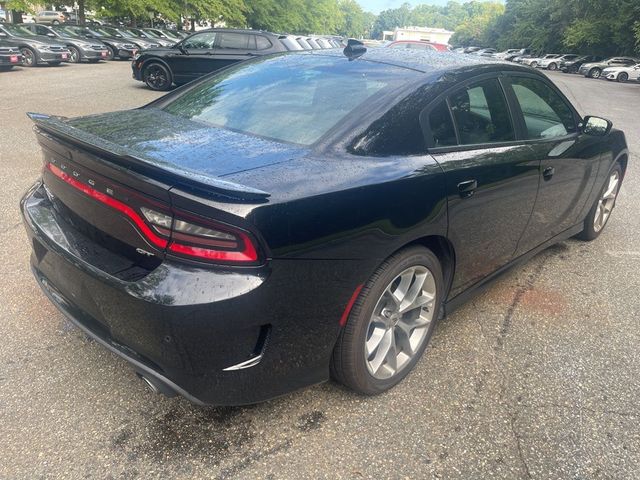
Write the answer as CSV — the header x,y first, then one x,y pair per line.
x,y
594,64
83,42
163,139
161,51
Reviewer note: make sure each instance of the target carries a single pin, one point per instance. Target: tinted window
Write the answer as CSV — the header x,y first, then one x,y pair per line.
x,y
291,98
546,115
481,114
238,41
262,43
200,41
441,127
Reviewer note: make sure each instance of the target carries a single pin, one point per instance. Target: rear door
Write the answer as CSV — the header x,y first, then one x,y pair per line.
x,y
233,47
568,160
194,58
491,178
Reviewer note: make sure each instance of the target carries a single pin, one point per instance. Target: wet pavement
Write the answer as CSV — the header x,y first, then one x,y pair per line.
x,y
538,377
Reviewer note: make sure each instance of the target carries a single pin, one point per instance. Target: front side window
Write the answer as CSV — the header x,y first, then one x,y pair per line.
x,y
481,114
546,115
200,41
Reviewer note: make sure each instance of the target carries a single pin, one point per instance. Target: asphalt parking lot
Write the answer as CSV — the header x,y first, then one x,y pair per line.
x,y
539,377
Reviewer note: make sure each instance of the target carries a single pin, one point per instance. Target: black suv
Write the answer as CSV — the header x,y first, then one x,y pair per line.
x,y
201,53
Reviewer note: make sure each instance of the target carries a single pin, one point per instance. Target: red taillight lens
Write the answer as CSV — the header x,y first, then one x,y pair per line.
x,y
214,242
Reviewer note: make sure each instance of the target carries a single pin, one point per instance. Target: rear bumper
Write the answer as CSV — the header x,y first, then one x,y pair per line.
x,y
187,327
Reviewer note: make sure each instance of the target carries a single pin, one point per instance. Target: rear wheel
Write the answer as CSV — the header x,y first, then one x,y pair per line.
x,y
157,77
623,77
29,57
601,211
391,322
595,73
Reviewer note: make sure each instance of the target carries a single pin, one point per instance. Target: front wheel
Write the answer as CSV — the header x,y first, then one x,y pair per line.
x,y
111,53
74,55
390,323
157,77
623,77
595,73
534,64
553,67
601,211
29,57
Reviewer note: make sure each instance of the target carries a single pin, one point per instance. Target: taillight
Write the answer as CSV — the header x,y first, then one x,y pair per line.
x,y
210,241
213,242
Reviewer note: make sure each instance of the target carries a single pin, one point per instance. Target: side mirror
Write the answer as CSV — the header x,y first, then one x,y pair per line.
x,y
596,126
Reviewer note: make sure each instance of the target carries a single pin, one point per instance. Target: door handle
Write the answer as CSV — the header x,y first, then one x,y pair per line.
x,y
467,188
548,172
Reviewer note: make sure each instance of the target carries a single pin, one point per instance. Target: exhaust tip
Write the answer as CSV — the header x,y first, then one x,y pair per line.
x,y
156,386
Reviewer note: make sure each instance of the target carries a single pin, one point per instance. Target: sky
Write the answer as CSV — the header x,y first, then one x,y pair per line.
x,y
376,6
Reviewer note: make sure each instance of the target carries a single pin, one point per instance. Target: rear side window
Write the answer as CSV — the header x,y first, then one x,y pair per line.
x,y
481,114
239,41
546,115
262,43
441,127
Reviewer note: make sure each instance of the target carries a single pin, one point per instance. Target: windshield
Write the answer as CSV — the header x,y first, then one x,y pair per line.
x,y
111,32
66,31
18,30
294,98
131,33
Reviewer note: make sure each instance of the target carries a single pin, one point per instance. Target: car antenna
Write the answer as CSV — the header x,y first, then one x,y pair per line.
x,y
354,49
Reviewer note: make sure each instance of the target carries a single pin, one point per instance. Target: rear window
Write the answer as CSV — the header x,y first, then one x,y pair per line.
x,y
293,98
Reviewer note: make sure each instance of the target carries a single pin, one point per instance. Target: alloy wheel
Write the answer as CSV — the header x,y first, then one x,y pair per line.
x,y
156,77
74,56
623,77
606,202
29,57
595,73
400,321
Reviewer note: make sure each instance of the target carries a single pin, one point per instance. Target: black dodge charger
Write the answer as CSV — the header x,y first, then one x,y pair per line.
x,y
308,214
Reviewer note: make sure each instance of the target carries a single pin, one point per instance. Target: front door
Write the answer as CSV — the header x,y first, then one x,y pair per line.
x,y
491,178
192,57
568,161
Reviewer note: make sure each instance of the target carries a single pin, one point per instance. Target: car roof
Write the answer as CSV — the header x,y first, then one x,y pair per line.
x,y
235,30
426,61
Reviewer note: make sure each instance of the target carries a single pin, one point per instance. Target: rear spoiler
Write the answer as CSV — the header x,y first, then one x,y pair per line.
x,y
58,127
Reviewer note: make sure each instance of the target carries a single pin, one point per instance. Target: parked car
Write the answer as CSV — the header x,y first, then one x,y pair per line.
x,y
141,34
117,47
622,74
508,53
36,49
303,43
572,66
594,69
236,239
163,34
9,57
485,52
554,63
291,43
80,48
471,49
201,53
419,45
129,36
50,17
534,61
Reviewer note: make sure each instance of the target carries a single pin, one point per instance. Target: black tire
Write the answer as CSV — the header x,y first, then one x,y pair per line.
x,y
157,76
589,232
30,59
111,53
623,77
348,363
594,73
553,66
74,55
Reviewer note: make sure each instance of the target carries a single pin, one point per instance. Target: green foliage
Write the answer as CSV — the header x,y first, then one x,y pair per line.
x,y
601,27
